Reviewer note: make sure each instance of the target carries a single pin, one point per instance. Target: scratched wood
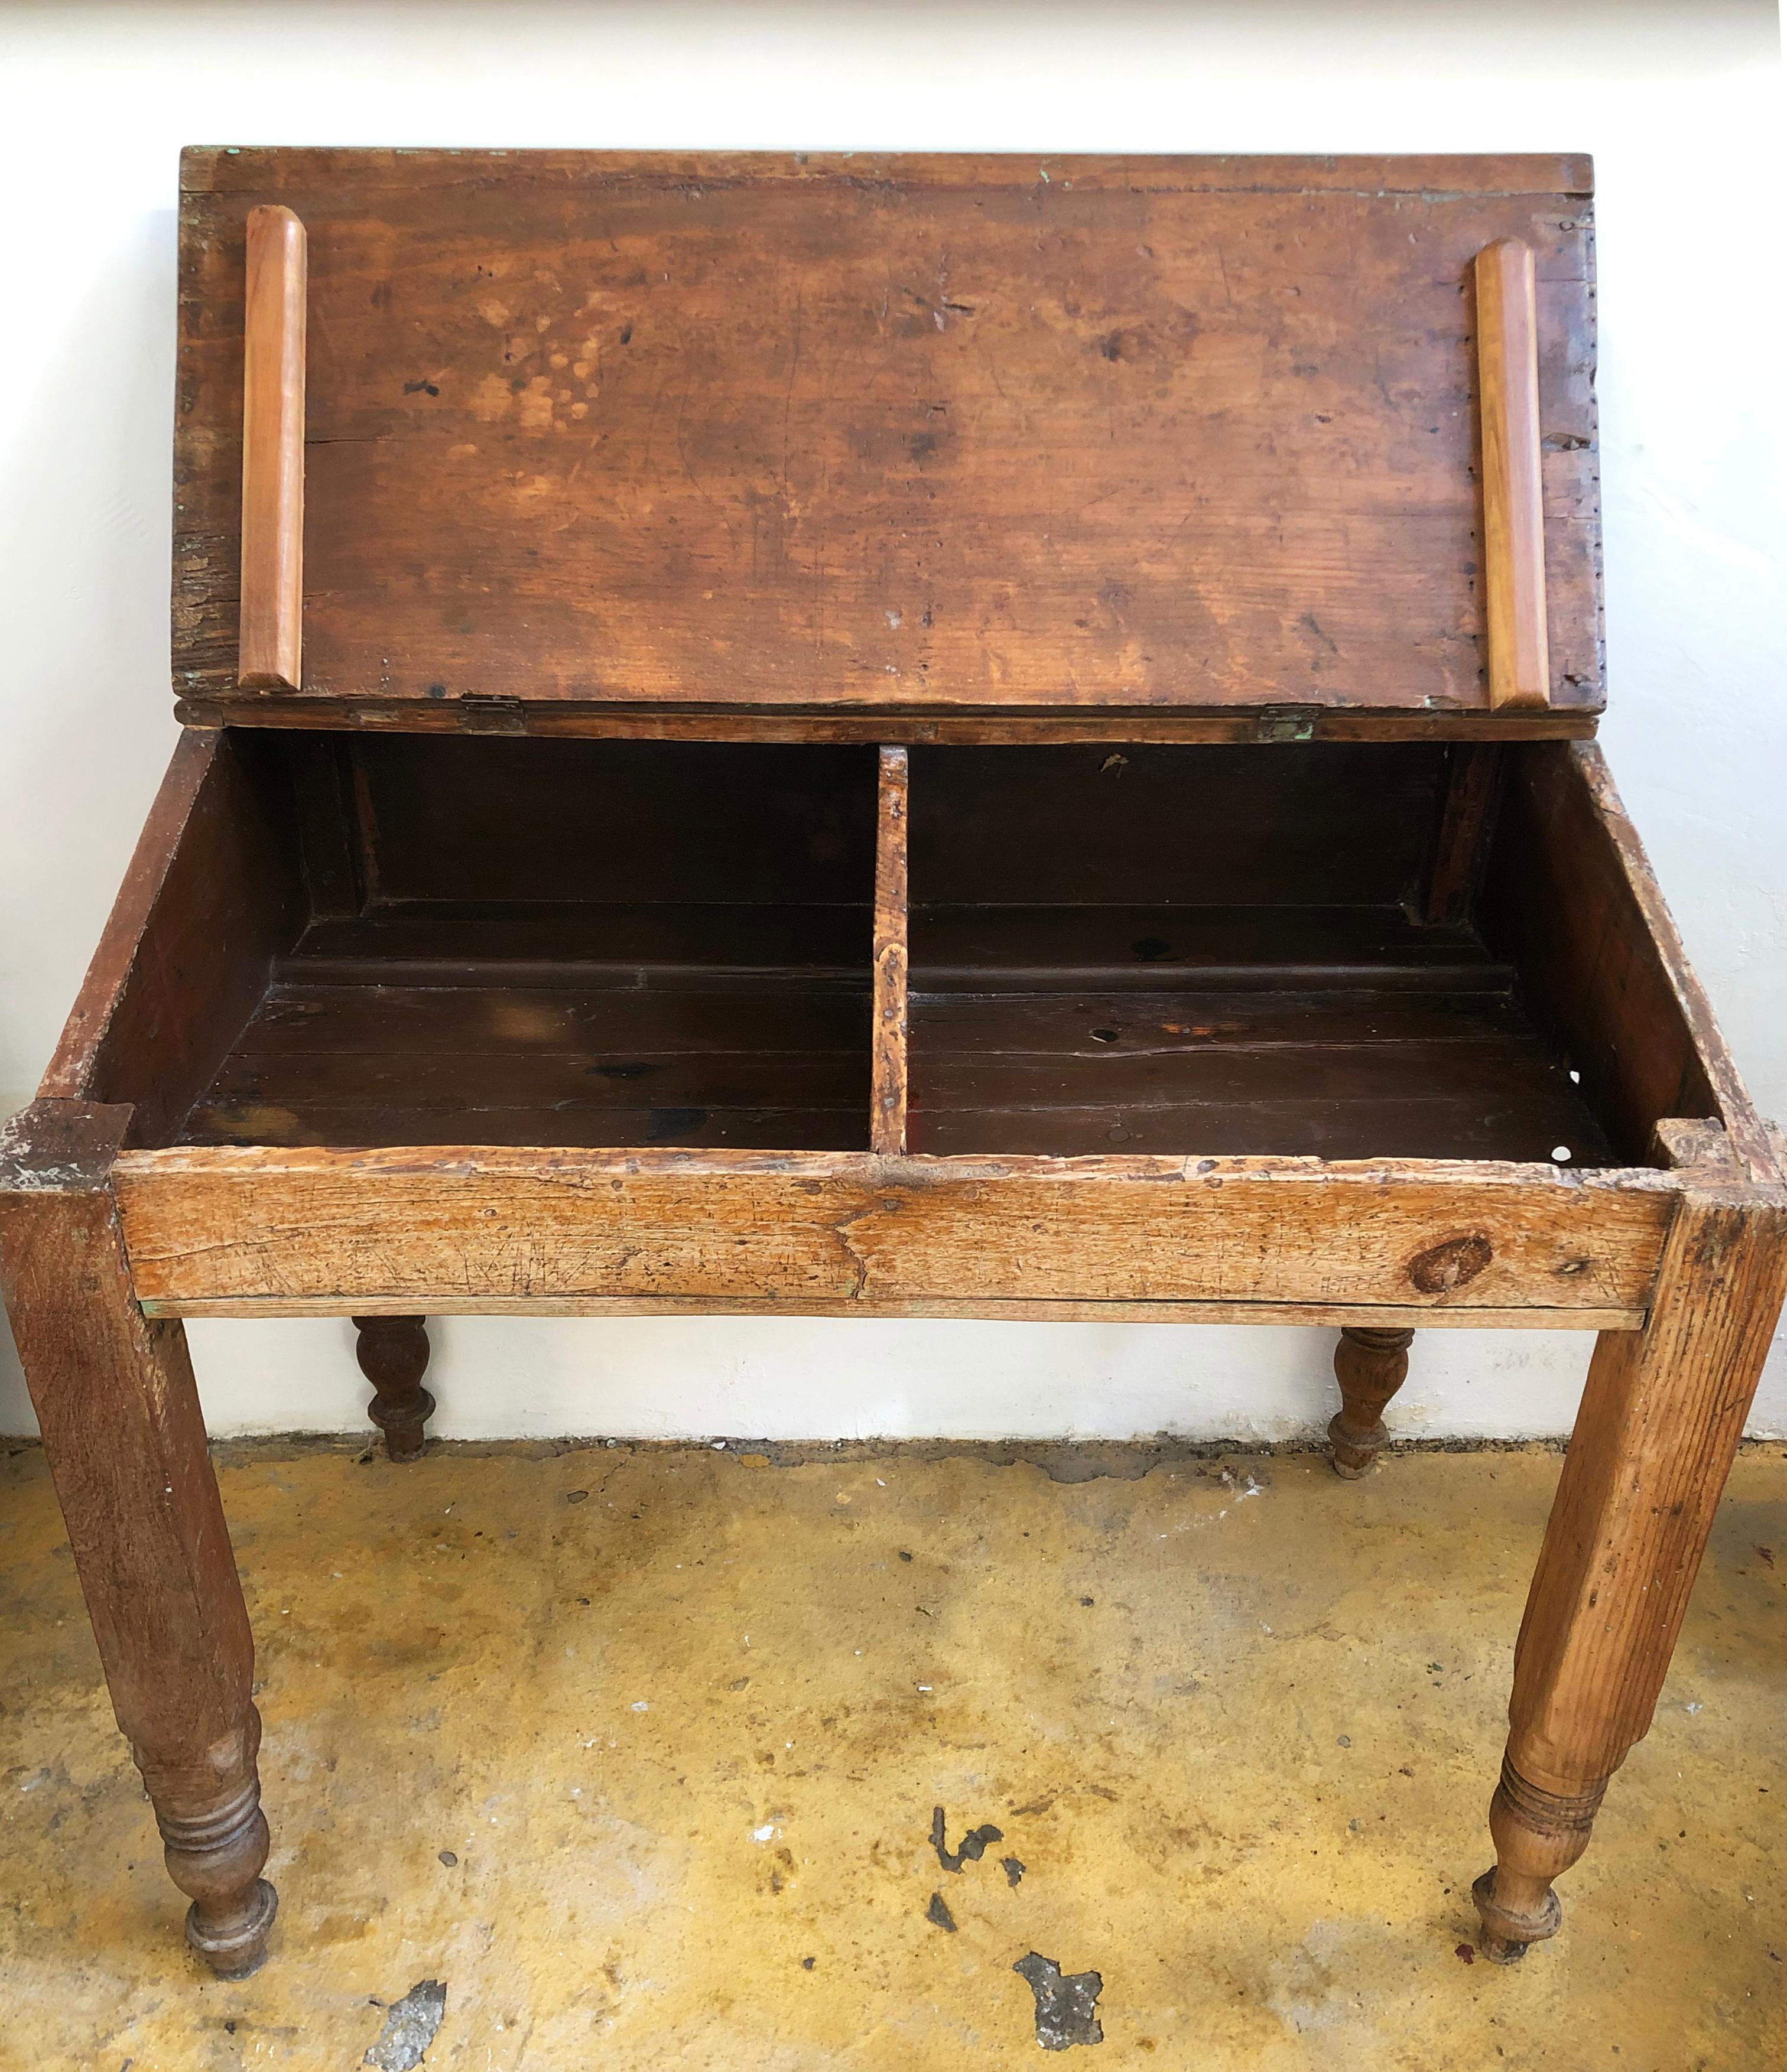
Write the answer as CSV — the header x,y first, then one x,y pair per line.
x,y
467,1222
921,435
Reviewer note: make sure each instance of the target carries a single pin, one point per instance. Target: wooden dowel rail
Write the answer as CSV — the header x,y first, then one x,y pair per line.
x,y
273,454
1514,512
888,1120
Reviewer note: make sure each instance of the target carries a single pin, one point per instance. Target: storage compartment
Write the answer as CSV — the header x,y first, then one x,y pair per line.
x,y
496,941
1332,949
1264,949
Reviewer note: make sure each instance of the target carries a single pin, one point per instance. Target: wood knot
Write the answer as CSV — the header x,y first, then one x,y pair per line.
x,y
1451,1263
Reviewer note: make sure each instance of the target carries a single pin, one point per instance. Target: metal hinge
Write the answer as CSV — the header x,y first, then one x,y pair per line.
x,y
480,714
1285,723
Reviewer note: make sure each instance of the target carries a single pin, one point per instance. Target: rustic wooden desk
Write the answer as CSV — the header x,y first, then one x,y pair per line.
x,y
888,736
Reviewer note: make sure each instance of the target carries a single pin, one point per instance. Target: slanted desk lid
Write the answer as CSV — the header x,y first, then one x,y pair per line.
x,y
587,430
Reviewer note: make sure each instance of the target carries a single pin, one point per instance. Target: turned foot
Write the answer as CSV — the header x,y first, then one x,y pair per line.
x,y
1539,1834
1370,1366
393,1356
216,1841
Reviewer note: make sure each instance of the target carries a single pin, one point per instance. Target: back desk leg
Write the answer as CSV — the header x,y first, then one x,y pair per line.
x,y
393,1352
126,1444
1661,1418
1370,1365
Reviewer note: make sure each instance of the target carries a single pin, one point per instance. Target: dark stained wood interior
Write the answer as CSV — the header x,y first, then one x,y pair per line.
x,y
416,940
1559,901
571,942
1216,949
228,905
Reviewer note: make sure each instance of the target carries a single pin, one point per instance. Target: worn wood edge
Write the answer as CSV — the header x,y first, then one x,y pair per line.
x,y
887,1066
272,582
1333,1316
70,1071
54,1145
449,1162
1749,1135
971,727
1513,510
1697,1145
233,169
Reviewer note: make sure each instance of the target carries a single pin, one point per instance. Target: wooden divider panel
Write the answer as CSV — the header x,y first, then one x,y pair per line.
x,y
888,1071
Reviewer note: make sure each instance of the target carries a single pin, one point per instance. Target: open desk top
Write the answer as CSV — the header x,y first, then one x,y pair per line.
x,y
537,438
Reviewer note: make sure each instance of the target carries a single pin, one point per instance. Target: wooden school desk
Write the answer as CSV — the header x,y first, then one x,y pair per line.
x,y
954,737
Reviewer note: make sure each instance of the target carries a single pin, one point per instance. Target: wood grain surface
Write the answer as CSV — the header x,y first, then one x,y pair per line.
x,y
125,1437
908,433
1513,491
1661,1414
467,1222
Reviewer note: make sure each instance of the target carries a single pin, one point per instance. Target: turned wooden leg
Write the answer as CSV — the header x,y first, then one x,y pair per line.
x,y
393,1352
126,1444
1370,1365
1661,1418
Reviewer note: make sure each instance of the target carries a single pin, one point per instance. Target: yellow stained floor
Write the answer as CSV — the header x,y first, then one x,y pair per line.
x,y
636,1751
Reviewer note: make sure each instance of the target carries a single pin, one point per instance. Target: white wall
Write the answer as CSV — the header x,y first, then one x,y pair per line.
x,y
1679,103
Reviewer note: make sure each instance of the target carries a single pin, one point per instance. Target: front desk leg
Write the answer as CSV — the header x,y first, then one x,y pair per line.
x,y
126,1443
1661,1418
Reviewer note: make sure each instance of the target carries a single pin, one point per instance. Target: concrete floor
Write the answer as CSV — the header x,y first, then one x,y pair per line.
x,y
636,1750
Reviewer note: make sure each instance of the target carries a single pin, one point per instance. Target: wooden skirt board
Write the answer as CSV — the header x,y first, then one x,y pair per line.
x,y
1059,789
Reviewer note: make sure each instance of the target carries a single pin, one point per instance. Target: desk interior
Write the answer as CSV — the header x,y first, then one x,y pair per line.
x,y
1313,949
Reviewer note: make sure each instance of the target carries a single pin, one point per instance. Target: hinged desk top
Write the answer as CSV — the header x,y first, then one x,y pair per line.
x,y
594,431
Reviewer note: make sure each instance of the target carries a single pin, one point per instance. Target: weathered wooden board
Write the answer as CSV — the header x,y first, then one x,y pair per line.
x,y
917,433
211,897
1570,898
1319,1315
470,1224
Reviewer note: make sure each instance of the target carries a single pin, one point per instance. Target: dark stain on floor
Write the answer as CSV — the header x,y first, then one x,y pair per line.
x,y
410,2027
1066,2007
974,1843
